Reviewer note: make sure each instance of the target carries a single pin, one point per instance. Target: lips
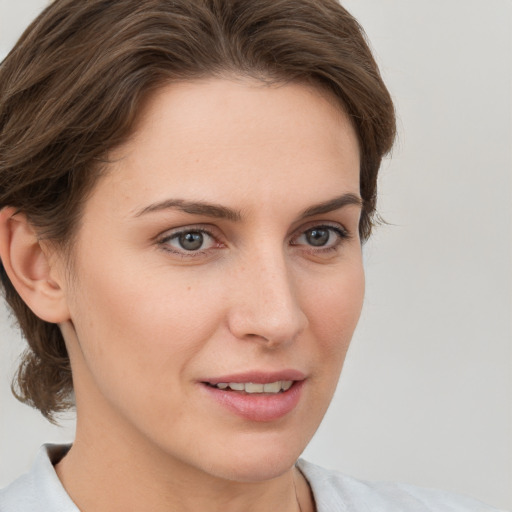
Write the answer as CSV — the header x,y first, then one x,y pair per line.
x,y
259,377
257,396
254,387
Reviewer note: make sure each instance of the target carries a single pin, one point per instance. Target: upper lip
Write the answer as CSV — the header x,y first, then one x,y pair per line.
x,y
258,377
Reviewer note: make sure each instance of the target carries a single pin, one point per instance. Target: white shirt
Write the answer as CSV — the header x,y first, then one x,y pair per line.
x,y
40,490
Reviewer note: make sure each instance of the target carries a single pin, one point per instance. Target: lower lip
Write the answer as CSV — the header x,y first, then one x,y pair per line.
x,y
255,406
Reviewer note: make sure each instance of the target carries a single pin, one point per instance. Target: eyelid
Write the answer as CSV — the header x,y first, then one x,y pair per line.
x,y
319,224
164,238
340,232
201,228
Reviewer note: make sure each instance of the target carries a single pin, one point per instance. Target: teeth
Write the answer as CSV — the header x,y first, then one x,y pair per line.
x,y
251,387
287,384
273,387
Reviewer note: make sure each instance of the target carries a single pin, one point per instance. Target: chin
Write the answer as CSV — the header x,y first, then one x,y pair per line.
x,y
260,468
257,461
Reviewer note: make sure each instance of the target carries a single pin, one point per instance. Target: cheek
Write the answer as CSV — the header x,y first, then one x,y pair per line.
x,y
334,309
133,326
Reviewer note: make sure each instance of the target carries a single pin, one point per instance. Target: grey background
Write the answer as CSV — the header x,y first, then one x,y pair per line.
x,y
426,393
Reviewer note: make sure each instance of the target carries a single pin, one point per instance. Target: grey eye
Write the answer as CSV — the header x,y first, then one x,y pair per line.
x,y
318,237
321,237
191,240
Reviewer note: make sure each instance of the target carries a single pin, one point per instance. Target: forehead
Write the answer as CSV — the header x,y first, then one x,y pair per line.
x,y
217,137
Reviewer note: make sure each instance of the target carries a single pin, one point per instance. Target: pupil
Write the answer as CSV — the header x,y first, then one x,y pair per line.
x,y
191,241
317,237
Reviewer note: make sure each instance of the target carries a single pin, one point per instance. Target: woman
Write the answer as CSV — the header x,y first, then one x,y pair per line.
x,y
185,187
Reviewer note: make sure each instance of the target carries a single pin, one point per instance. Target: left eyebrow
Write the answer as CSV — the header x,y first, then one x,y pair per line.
x,y
332,205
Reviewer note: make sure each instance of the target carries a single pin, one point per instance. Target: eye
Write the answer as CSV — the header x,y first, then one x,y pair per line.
x,y
191,241
322,237
188,241
318,237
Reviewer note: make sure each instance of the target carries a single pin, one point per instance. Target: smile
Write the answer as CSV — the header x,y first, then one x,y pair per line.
x,y
253,387
256,396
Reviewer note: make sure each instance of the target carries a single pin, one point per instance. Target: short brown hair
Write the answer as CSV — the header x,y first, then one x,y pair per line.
x,y
71,88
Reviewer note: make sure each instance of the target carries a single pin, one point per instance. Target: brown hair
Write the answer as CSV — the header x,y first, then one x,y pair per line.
x,y
71,88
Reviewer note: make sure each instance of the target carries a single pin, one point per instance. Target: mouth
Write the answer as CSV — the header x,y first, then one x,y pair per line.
x,y
255,396
270,388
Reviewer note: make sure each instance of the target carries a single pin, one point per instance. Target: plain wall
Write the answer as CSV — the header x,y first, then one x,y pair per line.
x,y
426,392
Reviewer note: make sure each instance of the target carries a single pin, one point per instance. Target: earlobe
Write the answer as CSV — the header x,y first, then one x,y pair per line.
x,y
29,268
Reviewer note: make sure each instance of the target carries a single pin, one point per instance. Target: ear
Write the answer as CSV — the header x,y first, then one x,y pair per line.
x,y
32,272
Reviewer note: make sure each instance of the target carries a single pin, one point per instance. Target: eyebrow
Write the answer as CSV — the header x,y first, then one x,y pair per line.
x,y
222,212
195,208
333,204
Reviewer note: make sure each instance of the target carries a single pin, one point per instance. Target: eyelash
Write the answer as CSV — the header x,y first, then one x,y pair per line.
x,y
164,242
341,234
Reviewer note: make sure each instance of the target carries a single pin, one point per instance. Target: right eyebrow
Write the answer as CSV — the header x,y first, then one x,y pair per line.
x,y
193,207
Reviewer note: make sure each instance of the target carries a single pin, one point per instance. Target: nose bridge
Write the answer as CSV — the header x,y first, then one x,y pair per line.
x,y
266,304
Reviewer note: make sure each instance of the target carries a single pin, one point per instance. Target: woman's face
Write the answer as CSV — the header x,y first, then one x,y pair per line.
x,y
221,247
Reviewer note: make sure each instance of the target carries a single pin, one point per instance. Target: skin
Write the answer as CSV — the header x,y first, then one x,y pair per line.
x,y
145,320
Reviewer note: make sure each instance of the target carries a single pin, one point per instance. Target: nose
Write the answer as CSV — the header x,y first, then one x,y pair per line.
x,y
265,305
